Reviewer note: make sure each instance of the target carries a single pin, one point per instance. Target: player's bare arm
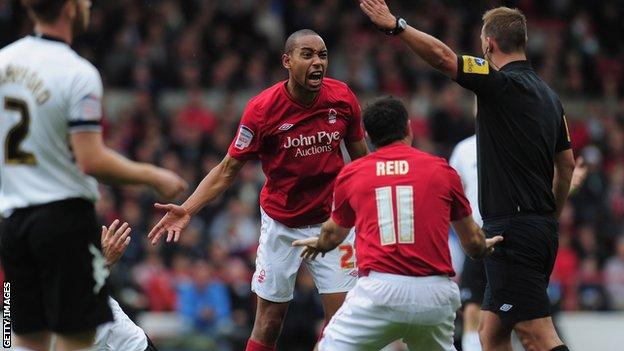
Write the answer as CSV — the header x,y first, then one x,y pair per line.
x,y
564,168
96,159
357,149
433,51
213,185
115,240
331,236
473,239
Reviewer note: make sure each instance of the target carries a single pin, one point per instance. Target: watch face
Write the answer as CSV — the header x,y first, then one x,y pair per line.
x,y
402,23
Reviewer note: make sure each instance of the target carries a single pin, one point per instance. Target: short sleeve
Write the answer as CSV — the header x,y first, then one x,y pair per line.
x,y
563,137
246,143
343,214
475,73
85,102
355,132
460,206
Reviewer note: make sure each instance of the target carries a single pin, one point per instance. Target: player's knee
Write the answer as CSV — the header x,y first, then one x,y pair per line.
x,y
527,341
525,336
536,336
492,340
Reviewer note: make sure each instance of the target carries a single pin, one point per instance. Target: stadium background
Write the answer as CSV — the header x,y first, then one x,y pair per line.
x,y
178,73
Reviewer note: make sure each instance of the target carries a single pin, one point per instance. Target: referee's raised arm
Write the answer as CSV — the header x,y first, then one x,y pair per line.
x,y
432,50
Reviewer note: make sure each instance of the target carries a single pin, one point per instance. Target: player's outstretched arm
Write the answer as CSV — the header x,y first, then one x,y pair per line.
x,y
96,159
331,236
472,238
115,241
433,51
564,169
213,185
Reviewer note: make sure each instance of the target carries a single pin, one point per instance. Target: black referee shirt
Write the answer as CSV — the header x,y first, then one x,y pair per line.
x,y
520,127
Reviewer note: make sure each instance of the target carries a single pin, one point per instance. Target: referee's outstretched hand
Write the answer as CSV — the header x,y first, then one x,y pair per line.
x,y
379,13
174,221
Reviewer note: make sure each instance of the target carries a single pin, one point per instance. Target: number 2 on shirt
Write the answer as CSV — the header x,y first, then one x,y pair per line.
x,y
345,259
404,213
13,154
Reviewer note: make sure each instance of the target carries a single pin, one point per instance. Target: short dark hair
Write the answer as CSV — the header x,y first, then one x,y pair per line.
x,y
289,45
386,121
508,27
44,10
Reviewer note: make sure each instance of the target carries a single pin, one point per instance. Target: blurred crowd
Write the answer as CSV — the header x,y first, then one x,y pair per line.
x,y
148,48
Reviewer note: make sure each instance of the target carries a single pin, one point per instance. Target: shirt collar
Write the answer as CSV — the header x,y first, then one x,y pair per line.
x,y
49,37
515,65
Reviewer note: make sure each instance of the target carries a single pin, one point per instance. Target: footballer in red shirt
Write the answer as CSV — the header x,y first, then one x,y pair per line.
x,y
295,129
401,202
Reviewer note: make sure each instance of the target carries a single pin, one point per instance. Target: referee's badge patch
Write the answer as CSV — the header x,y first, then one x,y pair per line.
x,y
243,140
475,65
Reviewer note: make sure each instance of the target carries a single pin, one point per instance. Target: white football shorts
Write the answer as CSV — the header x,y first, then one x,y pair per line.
x,y
382,308
277,262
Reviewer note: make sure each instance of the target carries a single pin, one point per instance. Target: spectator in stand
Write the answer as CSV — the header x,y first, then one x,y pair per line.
x,y
195,116
614,276
152,276
234,228
205,303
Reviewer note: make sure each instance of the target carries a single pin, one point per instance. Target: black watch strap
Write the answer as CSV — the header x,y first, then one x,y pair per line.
x,y
399,27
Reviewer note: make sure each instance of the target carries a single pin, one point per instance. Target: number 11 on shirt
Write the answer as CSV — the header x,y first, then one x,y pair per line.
x,y
404,195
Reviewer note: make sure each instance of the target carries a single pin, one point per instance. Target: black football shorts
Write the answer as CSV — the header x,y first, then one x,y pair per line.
x,y
519,270
51,255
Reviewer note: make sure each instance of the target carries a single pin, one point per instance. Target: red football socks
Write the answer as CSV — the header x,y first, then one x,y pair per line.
x,y
256,346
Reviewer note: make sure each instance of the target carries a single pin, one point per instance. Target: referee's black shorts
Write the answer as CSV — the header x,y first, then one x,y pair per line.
x,y
51,255
519,270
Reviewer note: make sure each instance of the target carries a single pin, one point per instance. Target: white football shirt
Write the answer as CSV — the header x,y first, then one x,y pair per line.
x,y
464,160
122,334
47,91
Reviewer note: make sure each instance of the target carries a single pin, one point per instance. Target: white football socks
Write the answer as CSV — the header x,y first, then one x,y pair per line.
x,y
470,341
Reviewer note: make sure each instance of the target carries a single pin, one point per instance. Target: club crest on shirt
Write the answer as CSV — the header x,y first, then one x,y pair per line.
x,y
475,65
91,107
244,137
331,118
285,126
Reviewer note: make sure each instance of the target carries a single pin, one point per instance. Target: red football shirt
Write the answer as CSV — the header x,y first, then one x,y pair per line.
x,y
299,148
401,201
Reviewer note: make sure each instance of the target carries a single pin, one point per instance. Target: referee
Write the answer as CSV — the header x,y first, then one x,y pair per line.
x,y
525,166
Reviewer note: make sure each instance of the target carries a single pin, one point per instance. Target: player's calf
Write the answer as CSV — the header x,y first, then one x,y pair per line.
x,y
538,334
267,325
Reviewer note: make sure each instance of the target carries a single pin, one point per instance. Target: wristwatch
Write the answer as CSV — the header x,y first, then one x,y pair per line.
x,y
400,26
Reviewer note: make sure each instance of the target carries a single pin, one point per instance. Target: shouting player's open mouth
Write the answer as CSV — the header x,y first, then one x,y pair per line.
x,y
315,78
